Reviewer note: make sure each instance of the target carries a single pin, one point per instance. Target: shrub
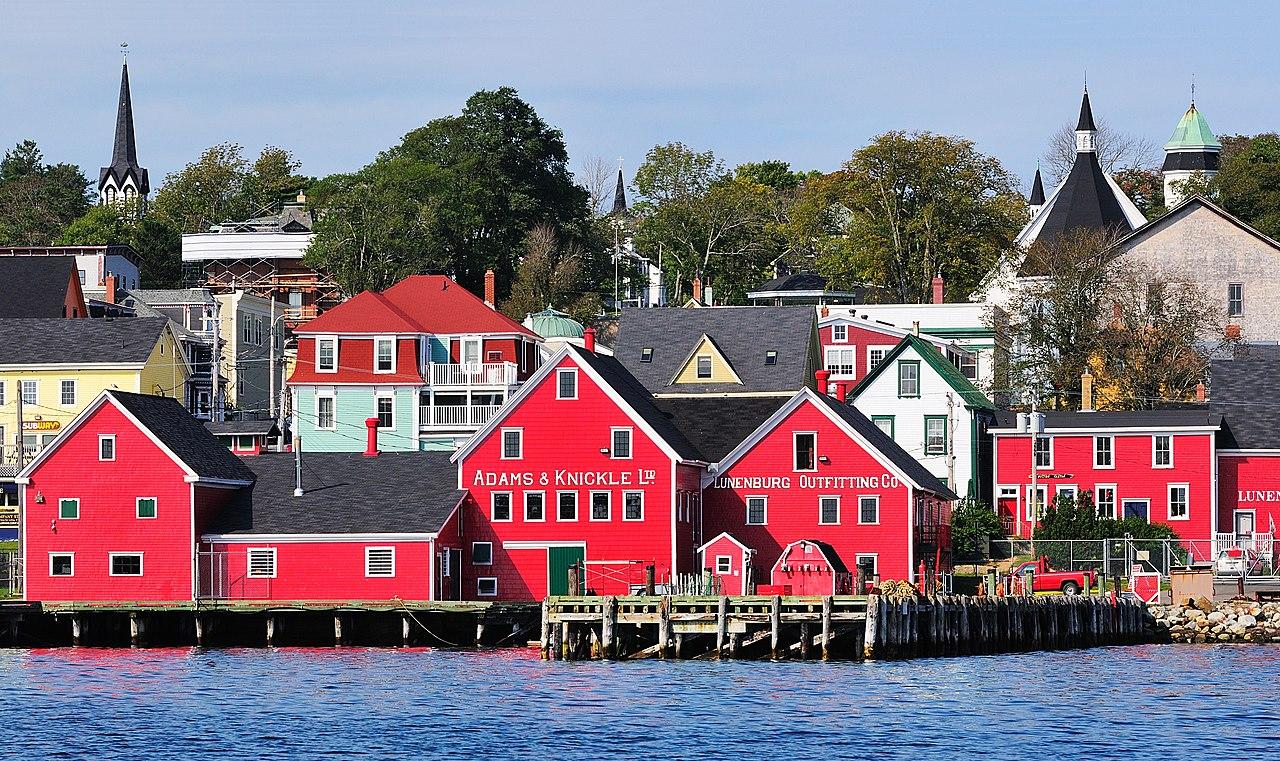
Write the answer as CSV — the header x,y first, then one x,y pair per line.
x,y
973,522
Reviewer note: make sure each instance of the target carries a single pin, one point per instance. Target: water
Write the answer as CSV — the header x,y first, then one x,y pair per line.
x,y
1166,702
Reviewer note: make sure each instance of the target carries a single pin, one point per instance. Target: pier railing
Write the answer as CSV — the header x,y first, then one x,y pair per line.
x,y
1113,557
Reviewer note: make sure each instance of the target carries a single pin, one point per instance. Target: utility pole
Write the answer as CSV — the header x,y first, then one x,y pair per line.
x,y
1033,423
271,354
951,441
216,370
22,450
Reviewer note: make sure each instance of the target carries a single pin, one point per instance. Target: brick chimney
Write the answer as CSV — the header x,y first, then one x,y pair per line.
x,y
1086,391
371,447
840,391
697,288
1200,392
589,340
490,289
822,376
824,312
938,286
110,281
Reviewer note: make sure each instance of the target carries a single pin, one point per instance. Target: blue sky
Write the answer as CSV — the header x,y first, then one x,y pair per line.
x,y
335,82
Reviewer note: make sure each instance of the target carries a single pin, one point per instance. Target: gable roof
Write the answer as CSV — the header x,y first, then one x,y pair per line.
x,y
723,535
172,296
344,493
828,552
969,393
743,335
1245,391
705,340
50,341
417,304
1184,208
36,286
714,425
866,323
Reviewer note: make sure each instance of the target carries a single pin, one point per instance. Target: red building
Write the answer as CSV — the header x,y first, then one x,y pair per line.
x,y
853,345
731,562
1244,392
1160,465
810,567
244,437
112,506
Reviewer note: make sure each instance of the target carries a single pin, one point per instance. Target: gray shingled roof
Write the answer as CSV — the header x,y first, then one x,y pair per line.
x,y
743,334
184,435
717,424
242,427
345,493
1246,393
166,296
35,286
1167,418
50,341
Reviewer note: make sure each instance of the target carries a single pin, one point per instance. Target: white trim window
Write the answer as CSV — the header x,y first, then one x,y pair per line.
x,y
500,507
1162,450
69,508
704,366
125,563
146,508
842,362
1043,452
62,564
567,383
67,396
385,410
1104,452
804,449
872,568
512,443
876,355
839,333
1179,502
384,354
1067,490
633,506
379,562
620,443
482,553
325,418
1041,501
326,354
1235,299
106,447
1104,500
868,509
601,505
724,564
829,511
487,586
260,562
567,506
757,510
30,391
535,506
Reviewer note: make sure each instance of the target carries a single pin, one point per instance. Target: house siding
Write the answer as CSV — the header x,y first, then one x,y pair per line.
x,y
329,570
352,406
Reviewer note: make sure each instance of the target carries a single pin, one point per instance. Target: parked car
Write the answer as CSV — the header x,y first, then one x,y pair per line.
x,y
1045,579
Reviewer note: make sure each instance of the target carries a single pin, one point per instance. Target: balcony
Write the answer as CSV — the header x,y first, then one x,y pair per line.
x,y
455,416
488,374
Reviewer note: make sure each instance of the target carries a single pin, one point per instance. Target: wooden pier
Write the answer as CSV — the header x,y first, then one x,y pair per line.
x,y
840,627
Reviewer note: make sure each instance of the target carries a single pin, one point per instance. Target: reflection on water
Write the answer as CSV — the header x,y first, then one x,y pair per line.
x,y
1165,702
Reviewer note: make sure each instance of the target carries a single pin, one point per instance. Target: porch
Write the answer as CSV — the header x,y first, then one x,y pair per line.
x,y
504,375
465,410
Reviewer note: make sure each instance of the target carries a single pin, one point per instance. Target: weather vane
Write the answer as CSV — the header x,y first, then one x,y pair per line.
x,y
124,50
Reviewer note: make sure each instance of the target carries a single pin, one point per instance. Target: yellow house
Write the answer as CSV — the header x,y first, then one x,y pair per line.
x,y
50,369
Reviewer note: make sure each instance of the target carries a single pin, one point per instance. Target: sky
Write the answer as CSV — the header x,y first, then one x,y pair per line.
x,y
805,82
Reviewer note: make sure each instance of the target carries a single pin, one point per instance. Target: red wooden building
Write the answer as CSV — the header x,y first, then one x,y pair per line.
x,y
1160,465
731,562
1244,391
112,507
810,567
852,345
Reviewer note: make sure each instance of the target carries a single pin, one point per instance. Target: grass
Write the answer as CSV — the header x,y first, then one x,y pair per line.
x,y
9,546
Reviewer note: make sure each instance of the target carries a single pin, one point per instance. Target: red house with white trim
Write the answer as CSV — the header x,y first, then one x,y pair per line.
x,y
1244,391
853,344
730,561
810,567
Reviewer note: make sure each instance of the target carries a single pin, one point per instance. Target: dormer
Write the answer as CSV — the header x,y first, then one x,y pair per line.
x,y
706,364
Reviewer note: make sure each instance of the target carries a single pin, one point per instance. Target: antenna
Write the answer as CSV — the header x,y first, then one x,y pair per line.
x,y
124,51
1193,91
1086,81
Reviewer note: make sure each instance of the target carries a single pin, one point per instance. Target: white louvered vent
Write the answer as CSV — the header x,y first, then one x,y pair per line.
x,y
380,561
262,562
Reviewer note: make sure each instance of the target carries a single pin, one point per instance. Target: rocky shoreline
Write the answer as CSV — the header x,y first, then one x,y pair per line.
x,y
1229,621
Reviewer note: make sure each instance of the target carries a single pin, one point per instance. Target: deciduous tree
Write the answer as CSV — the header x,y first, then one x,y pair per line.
x,y
37,200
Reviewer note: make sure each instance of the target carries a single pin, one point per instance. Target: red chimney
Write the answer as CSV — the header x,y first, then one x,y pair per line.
x,y
697,288
840,391
1200,395
371,448
589,340
490,288
110,281
938,285
824,311
822,376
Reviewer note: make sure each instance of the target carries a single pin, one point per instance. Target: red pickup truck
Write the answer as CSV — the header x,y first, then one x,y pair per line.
x,y
1045,579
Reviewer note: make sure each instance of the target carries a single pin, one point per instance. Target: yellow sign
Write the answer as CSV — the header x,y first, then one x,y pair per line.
x,y
41,425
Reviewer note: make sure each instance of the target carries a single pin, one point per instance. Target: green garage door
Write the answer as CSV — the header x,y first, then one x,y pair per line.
x,y
559,560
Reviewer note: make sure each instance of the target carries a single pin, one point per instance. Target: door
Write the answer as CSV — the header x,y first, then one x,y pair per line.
x,y
1245,526
471,351
1137,508
559,560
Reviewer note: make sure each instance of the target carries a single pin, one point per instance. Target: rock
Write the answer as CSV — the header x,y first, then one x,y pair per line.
x,y
1204,604
1217,616
1224,637
1247,620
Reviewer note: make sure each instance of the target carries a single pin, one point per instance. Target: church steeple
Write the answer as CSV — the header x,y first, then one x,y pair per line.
x,y
619,198
1192,149
1037,193
124,180
1086,130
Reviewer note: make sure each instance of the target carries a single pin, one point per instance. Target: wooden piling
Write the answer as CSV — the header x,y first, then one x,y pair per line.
x,y
135,629
870,629
806,639
404,631
199,624
775,624
608,621
722,624
735,643
566,641
664,626
544,638
826,628
271,630
337,630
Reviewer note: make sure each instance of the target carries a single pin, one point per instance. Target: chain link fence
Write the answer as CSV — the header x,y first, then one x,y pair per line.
x,y
1113,557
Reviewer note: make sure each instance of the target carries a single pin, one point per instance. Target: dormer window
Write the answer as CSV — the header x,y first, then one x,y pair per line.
x,y
327,354
646,354
704,367
770,358
384,355
839,333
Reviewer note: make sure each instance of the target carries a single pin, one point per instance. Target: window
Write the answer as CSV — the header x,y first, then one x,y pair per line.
x,y
62,564
567,506
770,358
1104,452
805,446
1044,451
621,444
600,505
486,586
866,564
324,413
1162,451
494,355
386,412
841,361
633,506
704,367
908,378
2,395
30,392
246,329
257,331
327,355
875,355
126,564
935,434
869,509
69,509
533,506
260,562
385,350
244,443
724,563
1036,506
107,447
82,271
566,384
500,506
968,364
1179,502
482,553
1235,299
1069,491
884,423
646,354
757,511
1104,500
68,397
839,333
379,562
512,443
146,507
829,511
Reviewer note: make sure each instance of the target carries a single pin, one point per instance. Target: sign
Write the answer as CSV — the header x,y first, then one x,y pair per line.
x,y
565,477
829,483
41,425
1261,496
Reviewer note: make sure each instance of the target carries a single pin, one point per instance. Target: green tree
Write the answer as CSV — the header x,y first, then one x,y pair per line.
x,y
973,522
99,226
38,200
1145,187
1248,183
156,241
223,186
550,275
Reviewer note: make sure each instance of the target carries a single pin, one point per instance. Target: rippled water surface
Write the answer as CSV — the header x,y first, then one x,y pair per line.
x,y
1168,702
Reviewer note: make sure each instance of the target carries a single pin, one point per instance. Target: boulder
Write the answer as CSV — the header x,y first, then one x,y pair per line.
x,y
1247,620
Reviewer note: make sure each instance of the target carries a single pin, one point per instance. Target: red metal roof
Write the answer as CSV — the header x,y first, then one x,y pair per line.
x,y
418,304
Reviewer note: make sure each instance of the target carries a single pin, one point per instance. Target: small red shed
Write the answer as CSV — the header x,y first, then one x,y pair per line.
x,y
730,561
811,567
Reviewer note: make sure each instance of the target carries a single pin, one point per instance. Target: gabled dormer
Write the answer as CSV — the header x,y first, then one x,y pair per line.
x,y
706,364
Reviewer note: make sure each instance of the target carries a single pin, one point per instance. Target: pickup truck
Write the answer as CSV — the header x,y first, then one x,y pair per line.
x,y
1046,579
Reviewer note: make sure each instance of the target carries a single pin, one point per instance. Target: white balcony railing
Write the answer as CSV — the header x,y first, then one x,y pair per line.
x,y
456,416
495,374
1259,543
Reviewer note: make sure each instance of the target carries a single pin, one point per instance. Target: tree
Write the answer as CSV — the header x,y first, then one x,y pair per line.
x,y
550,275
157,243
920,204
598,178
973,522
222,186
99,226
273,180
1248,183
1116,151
37,200
1145,187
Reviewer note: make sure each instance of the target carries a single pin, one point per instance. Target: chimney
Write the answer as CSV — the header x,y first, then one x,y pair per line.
x,y
915,328
371,448
824,312
697,288
110,281
822,376
710,296
490,289
938,285
589,340
1086,391
840,391
1200,392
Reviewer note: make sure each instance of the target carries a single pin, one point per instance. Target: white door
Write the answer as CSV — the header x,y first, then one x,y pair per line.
x,y
471,351
1245,524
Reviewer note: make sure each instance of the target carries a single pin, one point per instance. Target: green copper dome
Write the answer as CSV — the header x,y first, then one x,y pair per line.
x,y
1192,134
552,324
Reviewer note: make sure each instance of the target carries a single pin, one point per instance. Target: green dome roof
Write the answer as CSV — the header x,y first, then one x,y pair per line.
x,y
552,324
1192,133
